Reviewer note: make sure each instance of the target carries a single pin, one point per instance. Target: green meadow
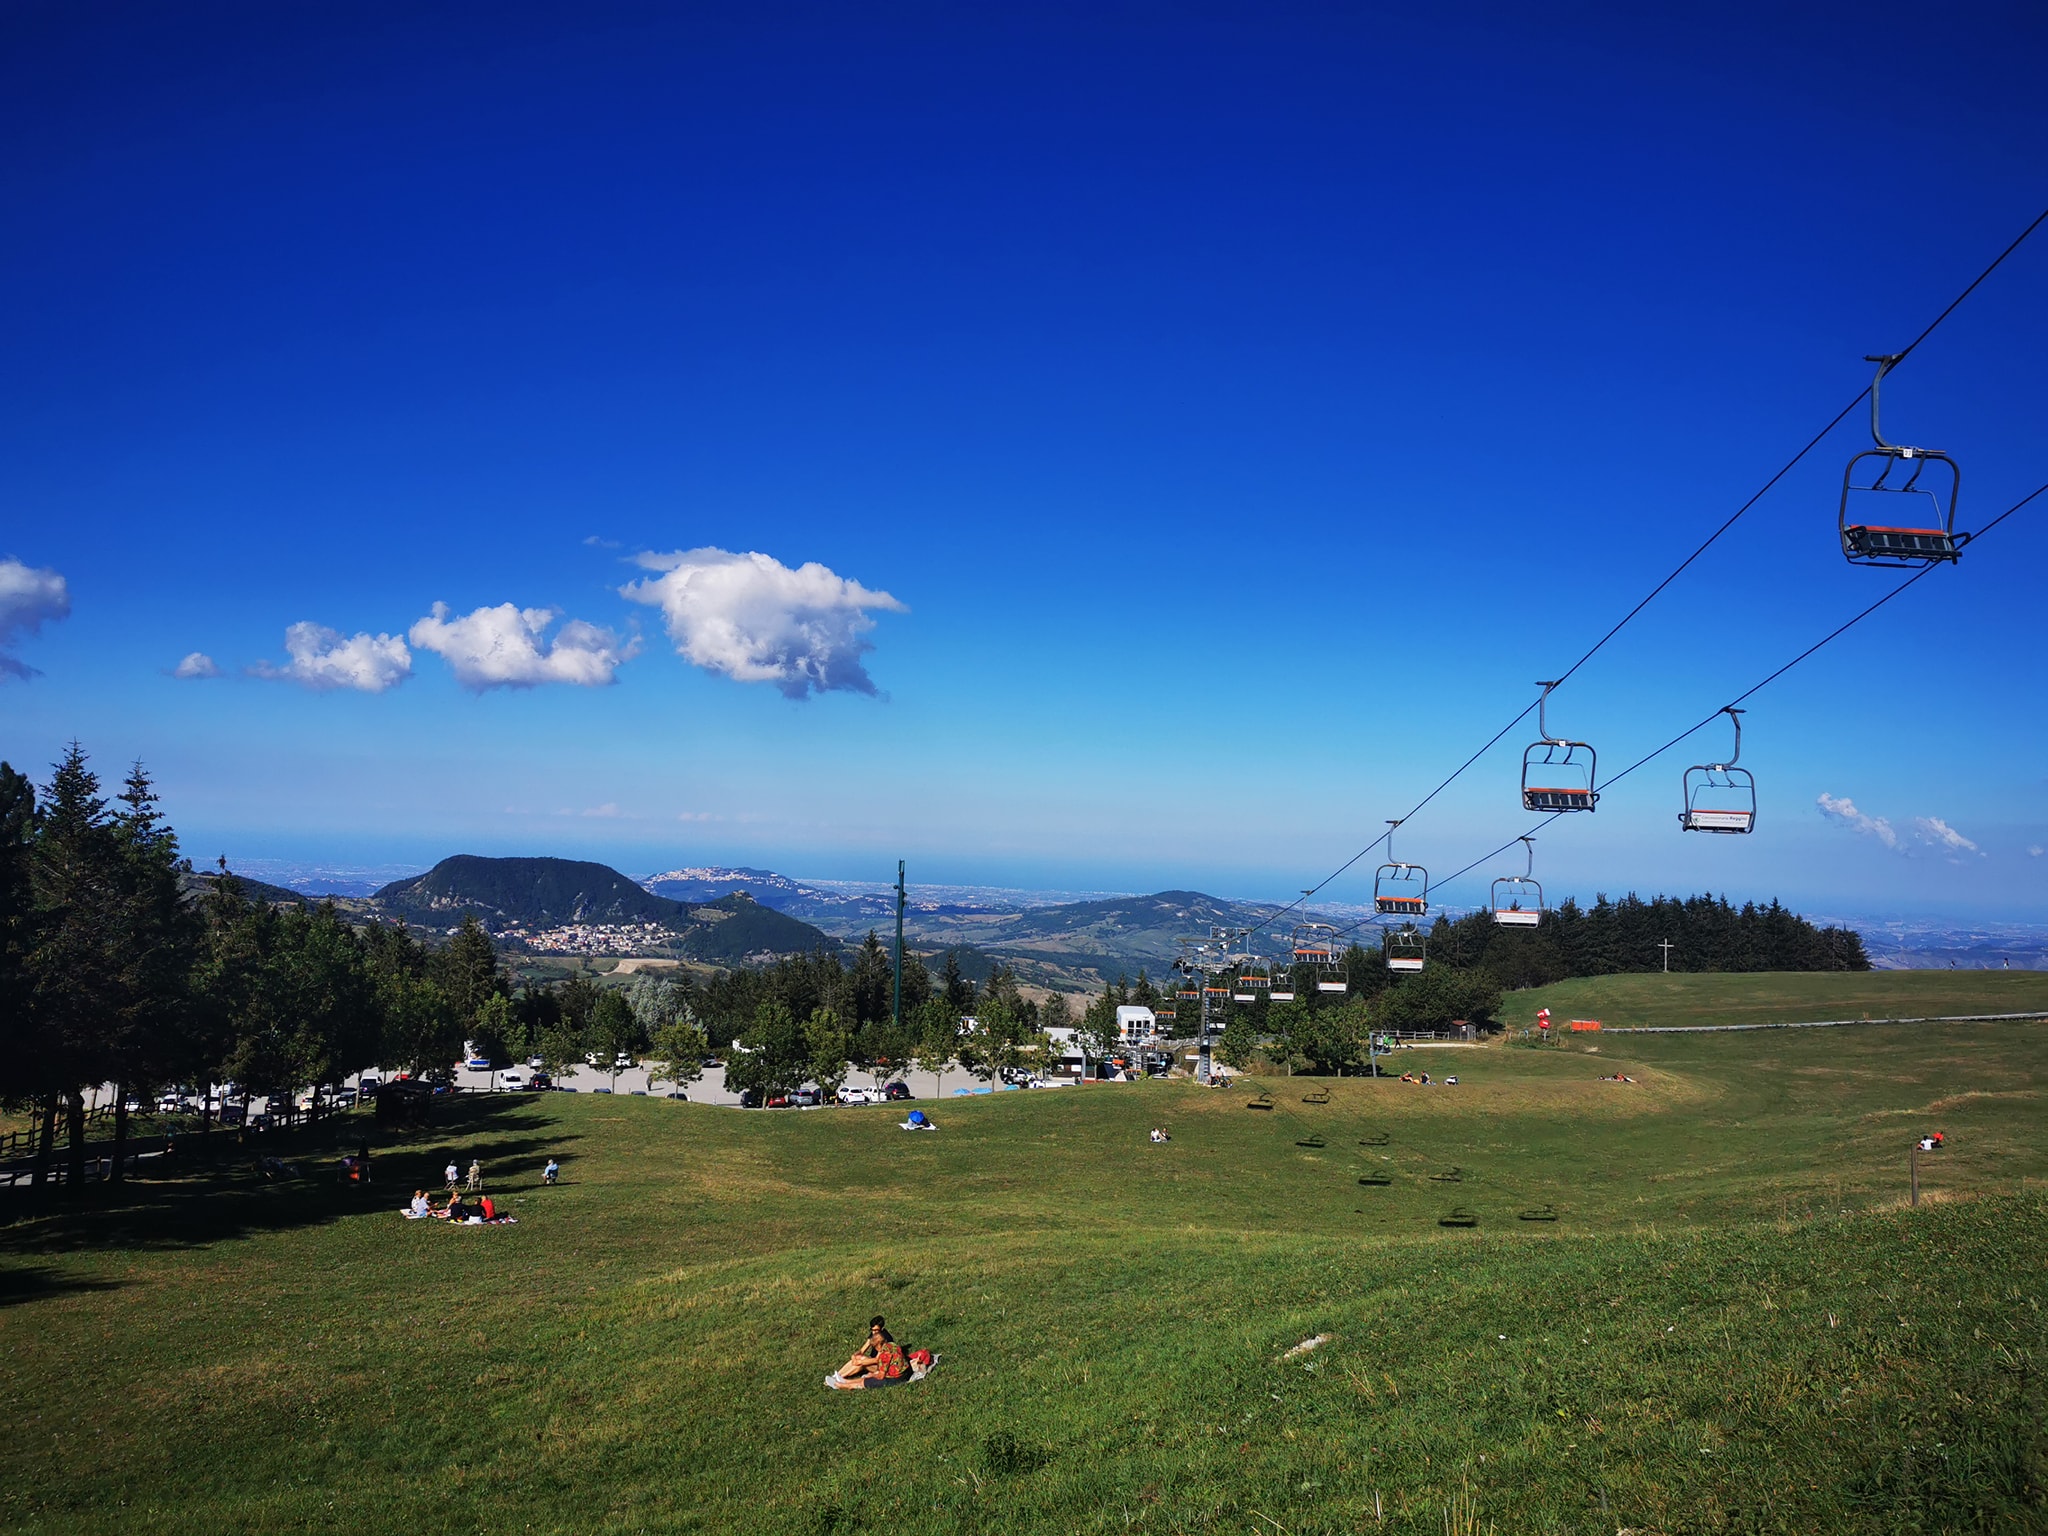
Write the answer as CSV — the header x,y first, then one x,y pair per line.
x,y
1735,1322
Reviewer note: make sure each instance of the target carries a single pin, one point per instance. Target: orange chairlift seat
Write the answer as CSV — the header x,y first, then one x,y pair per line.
x,y
1903,522
1557,774
1399,890
1315,945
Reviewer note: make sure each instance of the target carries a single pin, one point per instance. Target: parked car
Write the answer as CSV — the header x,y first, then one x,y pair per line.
x,y
600,1090
478,1063
233,1114
540,1080
779,1101
806,1097
750,1098
856,1095
898,1091
514,1079
675,1094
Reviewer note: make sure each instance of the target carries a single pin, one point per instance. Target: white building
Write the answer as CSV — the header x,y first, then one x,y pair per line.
x,y
1134,1024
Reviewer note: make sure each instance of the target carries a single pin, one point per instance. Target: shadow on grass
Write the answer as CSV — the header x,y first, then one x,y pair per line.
x,y
33,1282
218,1192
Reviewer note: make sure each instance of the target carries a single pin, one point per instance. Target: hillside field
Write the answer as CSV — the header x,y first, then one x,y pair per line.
x,y
1735,1323
1778,997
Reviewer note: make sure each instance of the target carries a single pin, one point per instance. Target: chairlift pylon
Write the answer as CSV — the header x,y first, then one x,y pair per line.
x,y
1518,899
1903,523
1720,797
1557,774
1399,890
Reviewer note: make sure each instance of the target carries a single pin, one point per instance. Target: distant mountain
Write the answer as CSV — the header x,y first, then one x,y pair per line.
x,y
542,893
1064,944
552,893
840,911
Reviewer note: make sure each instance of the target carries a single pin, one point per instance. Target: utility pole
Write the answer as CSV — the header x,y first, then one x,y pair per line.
x,y
1667,946
896,1001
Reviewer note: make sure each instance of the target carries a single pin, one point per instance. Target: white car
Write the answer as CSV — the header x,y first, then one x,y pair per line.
x,y
858,1096
513,1077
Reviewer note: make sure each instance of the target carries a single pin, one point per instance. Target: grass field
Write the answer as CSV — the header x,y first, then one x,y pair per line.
x,y
1734,1325
1774,997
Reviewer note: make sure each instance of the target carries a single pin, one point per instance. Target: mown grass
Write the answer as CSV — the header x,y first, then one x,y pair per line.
x,y
1734,1325
1777,997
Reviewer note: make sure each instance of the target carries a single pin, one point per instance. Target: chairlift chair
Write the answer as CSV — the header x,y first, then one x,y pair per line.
x,y
1897,523
1558,775
1403,947
1720,797
1518,899
1315,944
1399,890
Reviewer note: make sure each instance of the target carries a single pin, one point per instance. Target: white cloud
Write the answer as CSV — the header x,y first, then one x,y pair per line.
x,y
322,658
198,664
1843,813
1935,831
2036,851
29,598
757,621
501,648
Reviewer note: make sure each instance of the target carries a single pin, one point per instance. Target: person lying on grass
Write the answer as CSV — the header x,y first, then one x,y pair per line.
x,y
880,1359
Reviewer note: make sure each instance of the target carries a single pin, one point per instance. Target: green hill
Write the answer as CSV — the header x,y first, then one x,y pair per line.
x,y
532,891
1735,1323
1777,997
733,927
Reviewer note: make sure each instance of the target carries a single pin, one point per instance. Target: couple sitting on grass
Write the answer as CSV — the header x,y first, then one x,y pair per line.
x,y
880,1360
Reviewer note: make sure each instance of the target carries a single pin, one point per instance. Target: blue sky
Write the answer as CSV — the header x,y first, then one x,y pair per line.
x,y
1210,420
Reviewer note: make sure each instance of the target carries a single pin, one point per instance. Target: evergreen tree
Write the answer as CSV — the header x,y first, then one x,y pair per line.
x,y
74,965
957,990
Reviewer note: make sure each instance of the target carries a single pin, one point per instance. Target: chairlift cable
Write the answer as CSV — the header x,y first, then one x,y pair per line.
x,y
1711,539
1756,688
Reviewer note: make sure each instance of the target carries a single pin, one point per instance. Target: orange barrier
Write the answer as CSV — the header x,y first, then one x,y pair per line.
x,y
1580,1026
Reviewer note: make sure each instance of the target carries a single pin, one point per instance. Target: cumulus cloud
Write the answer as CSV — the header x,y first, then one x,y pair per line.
x,y
1843,813
29,598
501,648
757,621
1939,834
2036,851
323,658
198,664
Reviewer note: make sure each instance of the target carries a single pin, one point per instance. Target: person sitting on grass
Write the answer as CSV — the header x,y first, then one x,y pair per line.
x,y
880,1359
420,1206
552,1172
1159,1136
454,1210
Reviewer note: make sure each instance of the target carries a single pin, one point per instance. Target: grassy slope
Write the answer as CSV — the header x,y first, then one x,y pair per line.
x,y
1733,1325
1777,997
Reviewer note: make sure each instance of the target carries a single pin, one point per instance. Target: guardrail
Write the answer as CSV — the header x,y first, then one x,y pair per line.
x,y
18,1148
